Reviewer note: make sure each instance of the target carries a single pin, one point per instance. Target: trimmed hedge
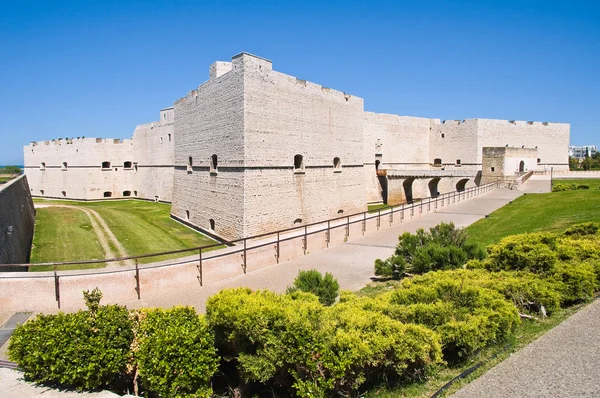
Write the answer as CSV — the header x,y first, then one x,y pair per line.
x,y
175,353
81,350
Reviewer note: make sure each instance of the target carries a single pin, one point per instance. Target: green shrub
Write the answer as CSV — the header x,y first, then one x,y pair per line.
x,y
586,228
266,336
563,187
443,247
360,346
325,288
533,253
82,350
468,317
176,355
578,281
583,186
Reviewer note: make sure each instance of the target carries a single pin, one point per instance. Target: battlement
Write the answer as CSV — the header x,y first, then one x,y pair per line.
x,y
79,141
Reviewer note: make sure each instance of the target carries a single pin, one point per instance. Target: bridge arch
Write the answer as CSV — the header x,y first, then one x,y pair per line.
x,y
433,187
461,184
408,189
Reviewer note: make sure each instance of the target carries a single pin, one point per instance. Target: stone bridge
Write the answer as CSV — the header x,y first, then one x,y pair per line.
x,y
406,186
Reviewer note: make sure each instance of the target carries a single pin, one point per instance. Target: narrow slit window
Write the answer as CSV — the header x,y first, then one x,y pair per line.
x,y
190,164
213,163
337,164
298,163
64,165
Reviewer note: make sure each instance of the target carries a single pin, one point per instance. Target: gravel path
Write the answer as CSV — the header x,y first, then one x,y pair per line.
x,y
562,363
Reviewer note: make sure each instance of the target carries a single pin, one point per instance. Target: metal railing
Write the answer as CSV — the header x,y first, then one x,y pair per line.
x,y
244,245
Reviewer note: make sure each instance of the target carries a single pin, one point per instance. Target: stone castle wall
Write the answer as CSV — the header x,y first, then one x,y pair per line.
x,y
17,218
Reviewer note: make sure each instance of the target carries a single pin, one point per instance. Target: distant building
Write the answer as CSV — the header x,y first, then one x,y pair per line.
x,y
579,152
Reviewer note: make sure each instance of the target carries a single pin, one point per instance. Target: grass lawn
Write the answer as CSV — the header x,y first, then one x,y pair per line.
x,y
551,212
594,183
4,180
61,235
374,208
141,227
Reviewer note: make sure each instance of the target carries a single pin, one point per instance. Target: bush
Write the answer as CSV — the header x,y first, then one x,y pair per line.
x,y
586,228
533,253
82,350
578,281
325,288
176,355
443,247
468,317
267,337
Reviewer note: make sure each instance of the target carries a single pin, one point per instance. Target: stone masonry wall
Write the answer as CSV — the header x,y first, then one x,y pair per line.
x,y
397,142
550,139
17,219
284,117
210,121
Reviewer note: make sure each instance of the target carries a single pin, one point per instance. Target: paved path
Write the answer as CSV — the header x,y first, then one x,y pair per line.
x,y
562,363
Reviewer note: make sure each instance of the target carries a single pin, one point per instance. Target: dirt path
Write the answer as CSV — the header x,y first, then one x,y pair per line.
x,y
102,231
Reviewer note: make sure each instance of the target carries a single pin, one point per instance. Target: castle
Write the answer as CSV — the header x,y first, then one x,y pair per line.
x,y
253,150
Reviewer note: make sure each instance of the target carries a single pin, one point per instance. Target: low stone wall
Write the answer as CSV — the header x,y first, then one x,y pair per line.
x,y
17,219
169,280
576,174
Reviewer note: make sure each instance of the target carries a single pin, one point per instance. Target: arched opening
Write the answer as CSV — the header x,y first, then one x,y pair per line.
x,y
127,165
134,193
298,162
213,163
460,185
521,166
437,162
190,164
126,193
433,187
408,192
377,163
107,194
106,165
212,224
64,165
187,214
337,164
340,211
297,221
64,194
42,191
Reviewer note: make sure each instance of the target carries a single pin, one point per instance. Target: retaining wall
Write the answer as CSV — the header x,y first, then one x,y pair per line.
x,y
17,219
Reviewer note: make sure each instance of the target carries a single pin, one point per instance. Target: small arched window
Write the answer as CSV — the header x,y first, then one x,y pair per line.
x,y
126,193
64,165
213,163
337,164
298,163
190,164
134,193
297,221
458,162
106,165
127,165
437,162
64,193
42,191
107,194
340,211
539,160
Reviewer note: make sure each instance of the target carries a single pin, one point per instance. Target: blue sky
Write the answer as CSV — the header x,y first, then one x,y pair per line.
x,y
98,68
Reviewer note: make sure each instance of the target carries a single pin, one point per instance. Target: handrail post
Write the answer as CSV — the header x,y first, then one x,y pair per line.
x,y
56,287
200,265
137,278
347,227
305,239
391,215
328,232
364,223
277,248
244,256
378,218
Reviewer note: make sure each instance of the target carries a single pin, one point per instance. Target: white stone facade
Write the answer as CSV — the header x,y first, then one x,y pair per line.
x,y
253,150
